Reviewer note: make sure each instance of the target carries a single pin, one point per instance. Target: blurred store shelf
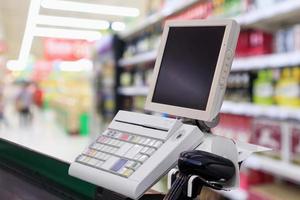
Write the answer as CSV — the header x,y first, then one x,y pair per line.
x,y
277,167
266,61
239,64
141,58
274,14
134,91
285,11
253,110
158,17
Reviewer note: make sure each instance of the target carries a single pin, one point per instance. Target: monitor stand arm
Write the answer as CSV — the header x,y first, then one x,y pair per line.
x,y
204,126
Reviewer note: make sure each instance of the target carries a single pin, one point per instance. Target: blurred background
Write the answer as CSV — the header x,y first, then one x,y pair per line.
x,y
66,68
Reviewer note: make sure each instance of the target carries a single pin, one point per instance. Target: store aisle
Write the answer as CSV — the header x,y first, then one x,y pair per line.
x,y
43,135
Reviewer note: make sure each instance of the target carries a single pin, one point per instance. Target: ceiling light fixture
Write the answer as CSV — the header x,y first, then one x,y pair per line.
x,y
90,8
14,65
118,26
67,33
72,22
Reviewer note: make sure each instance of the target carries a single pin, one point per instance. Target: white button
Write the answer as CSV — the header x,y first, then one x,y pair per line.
x,y
133,151
150,151
222,82
130,163
137,156
110,162
229,54
143,158
135,166
152,142
99,163
148,140
123,149
157,144
145,149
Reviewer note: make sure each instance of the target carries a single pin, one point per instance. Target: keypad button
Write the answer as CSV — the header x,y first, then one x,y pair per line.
x,y
135,166
127,172
81,158
142,140
102,139
86,159
122,170
133,151
93,161
123,149
110,162
157,144
147,141
106,156
130,163
137,156
150,151
145,149
118,165
143,158
124,137
114,142
136,139
99,164
131,138
152,142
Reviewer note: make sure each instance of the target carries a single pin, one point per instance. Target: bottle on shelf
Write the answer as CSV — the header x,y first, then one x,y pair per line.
x,y
263,89
287,88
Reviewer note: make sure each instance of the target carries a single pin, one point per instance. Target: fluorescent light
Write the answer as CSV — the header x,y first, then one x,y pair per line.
x,y
15,65
67,33
118,26
72,22
90,8
33,12
76,66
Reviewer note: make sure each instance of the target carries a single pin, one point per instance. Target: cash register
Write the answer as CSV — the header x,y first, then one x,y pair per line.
x,y
189,81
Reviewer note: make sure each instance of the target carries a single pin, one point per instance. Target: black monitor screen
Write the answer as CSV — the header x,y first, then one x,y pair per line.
x,y
188,66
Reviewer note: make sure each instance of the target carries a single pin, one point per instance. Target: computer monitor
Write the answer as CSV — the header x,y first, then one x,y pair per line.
x,y
192,67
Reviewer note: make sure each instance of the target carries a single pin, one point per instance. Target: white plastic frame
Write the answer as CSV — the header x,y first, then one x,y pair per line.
x,y
218,87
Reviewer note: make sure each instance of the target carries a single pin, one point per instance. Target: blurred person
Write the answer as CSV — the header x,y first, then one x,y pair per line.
x,y
23,105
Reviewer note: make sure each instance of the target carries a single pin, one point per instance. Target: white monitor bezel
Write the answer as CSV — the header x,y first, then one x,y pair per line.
x,y
208,114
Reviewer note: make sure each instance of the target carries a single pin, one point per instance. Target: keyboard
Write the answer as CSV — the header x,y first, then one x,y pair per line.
x,y
134,152
118,152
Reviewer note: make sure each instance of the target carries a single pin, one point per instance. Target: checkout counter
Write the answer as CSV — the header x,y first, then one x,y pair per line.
x,y
34,174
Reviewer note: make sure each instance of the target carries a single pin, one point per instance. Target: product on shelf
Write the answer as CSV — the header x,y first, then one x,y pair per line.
x,y
234,126
288,39
254,42
126,79
250,177
238,87
263,88
139,103
268,133
295,142
287,90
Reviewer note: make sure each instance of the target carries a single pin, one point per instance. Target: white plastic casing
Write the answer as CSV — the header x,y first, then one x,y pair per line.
x,y
222,70
156,166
